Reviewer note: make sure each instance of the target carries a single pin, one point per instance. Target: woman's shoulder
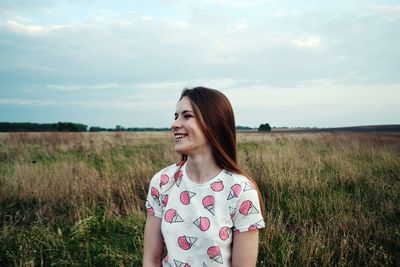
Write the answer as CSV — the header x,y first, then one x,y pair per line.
x,y
237,180
235,177
166,176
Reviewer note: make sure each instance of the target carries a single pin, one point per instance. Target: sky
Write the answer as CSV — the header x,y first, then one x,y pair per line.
x,y
287,63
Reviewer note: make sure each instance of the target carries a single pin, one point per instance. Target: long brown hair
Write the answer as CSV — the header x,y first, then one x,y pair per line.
x,y
215,116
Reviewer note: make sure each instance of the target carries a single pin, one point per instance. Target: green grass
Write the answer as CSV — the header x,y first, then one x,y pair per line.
x,y
78,199
92,241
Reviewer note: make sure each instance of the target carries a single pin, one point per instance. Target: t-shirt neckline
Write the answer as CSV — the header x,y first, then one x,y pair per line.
x,y
205,184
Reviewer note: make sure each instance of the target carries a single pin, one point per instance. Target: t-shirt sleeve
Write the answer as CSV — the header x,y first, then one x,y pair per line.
x,y
248,214
153,200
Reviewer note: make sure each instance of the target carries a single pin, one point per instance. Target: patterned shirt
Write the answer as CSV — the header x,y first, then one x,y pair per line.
x,y
198,220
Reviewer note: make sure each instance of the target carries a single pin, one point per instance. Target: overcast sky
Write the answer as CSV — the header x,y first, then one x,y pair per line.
x,y
288,63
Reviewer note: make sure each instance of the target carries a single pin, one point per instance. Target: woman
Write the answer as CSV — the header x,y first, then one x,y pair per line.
x,y
203,209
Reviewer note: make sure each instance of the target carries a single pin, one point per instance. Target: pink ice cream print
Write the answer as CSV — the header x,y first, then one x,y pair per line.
x,y
257,225
247,208
163,180
186,242
166,259
172,216
229,173
235,230
224,233
155,194
186,196
248,186
150,210
180,163
214,253
217,186
203,223
208,203
235,191
181,264
253,227
178,177
164,200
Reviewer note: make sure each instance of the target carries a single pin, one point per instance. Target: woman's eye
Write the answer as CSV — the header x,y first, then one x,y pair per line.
x,y
186,116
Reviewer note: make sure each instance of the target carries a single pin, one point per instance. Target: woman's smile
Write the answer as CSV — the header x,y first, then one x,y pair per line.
x,y
179,136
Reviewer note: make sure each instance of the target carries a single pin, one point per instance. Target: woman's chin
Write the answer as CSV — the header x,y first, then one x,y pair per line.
x,y
179,149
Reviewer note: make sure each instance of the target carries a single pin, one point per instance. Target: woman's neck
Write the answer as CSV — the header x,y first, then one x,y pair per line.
x,y
201,168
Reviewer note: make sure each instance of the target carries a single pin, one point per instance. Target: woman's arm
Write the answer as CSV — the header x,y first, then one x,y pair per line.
x,y
153,242
245,249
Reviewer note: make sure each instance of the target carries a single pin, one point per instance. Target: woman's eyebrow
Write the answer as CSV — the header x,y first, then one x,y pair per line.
x,y
184,112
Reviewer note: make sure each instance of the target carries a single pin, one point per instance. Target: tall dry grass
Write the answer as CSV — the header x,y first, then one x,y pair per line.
x,y
77,199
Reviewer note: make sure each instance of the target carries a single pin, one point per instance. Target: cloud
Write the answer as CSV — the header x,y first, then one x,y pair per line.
x,y
111,104
181,24
28,67
158,87
239,3
27,102
126,47
81,87
387,10
317,94
30,28
307,42
178,85
221,3
25,28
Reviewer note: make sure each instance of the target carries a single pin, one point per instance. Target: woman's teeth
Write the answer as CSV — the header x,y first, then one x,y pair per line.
x,y
179,136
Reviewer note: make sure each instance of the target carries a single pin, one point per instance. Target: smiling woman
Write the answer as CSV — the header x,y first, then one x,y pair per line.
x,y
205,210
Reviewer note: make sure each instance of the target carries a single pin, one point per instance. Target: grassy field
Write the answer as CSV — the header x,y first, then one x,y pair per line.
x,y
72,199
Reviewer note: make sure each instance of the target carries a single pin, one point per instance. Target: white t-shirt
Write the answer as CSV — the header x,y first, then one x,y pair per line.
x,y
198,220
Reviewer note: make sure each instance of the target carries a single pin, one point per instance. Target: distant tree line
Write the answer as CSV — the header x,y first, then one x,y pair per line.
x,y
147,129
67,127
78,127
243,128
42,127
119,128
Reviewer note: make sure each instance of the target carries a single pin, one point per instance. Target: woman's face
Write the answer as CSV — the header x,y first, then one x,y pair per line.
x,y
189,138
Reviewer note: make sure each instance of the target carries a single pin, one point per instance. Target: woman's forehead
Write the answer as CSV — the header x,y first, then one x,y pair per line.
x,y
184,104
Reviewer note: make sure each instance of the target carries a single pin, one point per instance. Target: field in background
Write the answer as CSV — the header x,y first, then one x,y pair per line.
x,y
77,199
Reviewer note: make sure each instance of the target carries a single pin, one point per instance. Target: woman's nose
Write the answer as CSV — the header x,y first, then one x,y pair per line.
x,y
176,124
